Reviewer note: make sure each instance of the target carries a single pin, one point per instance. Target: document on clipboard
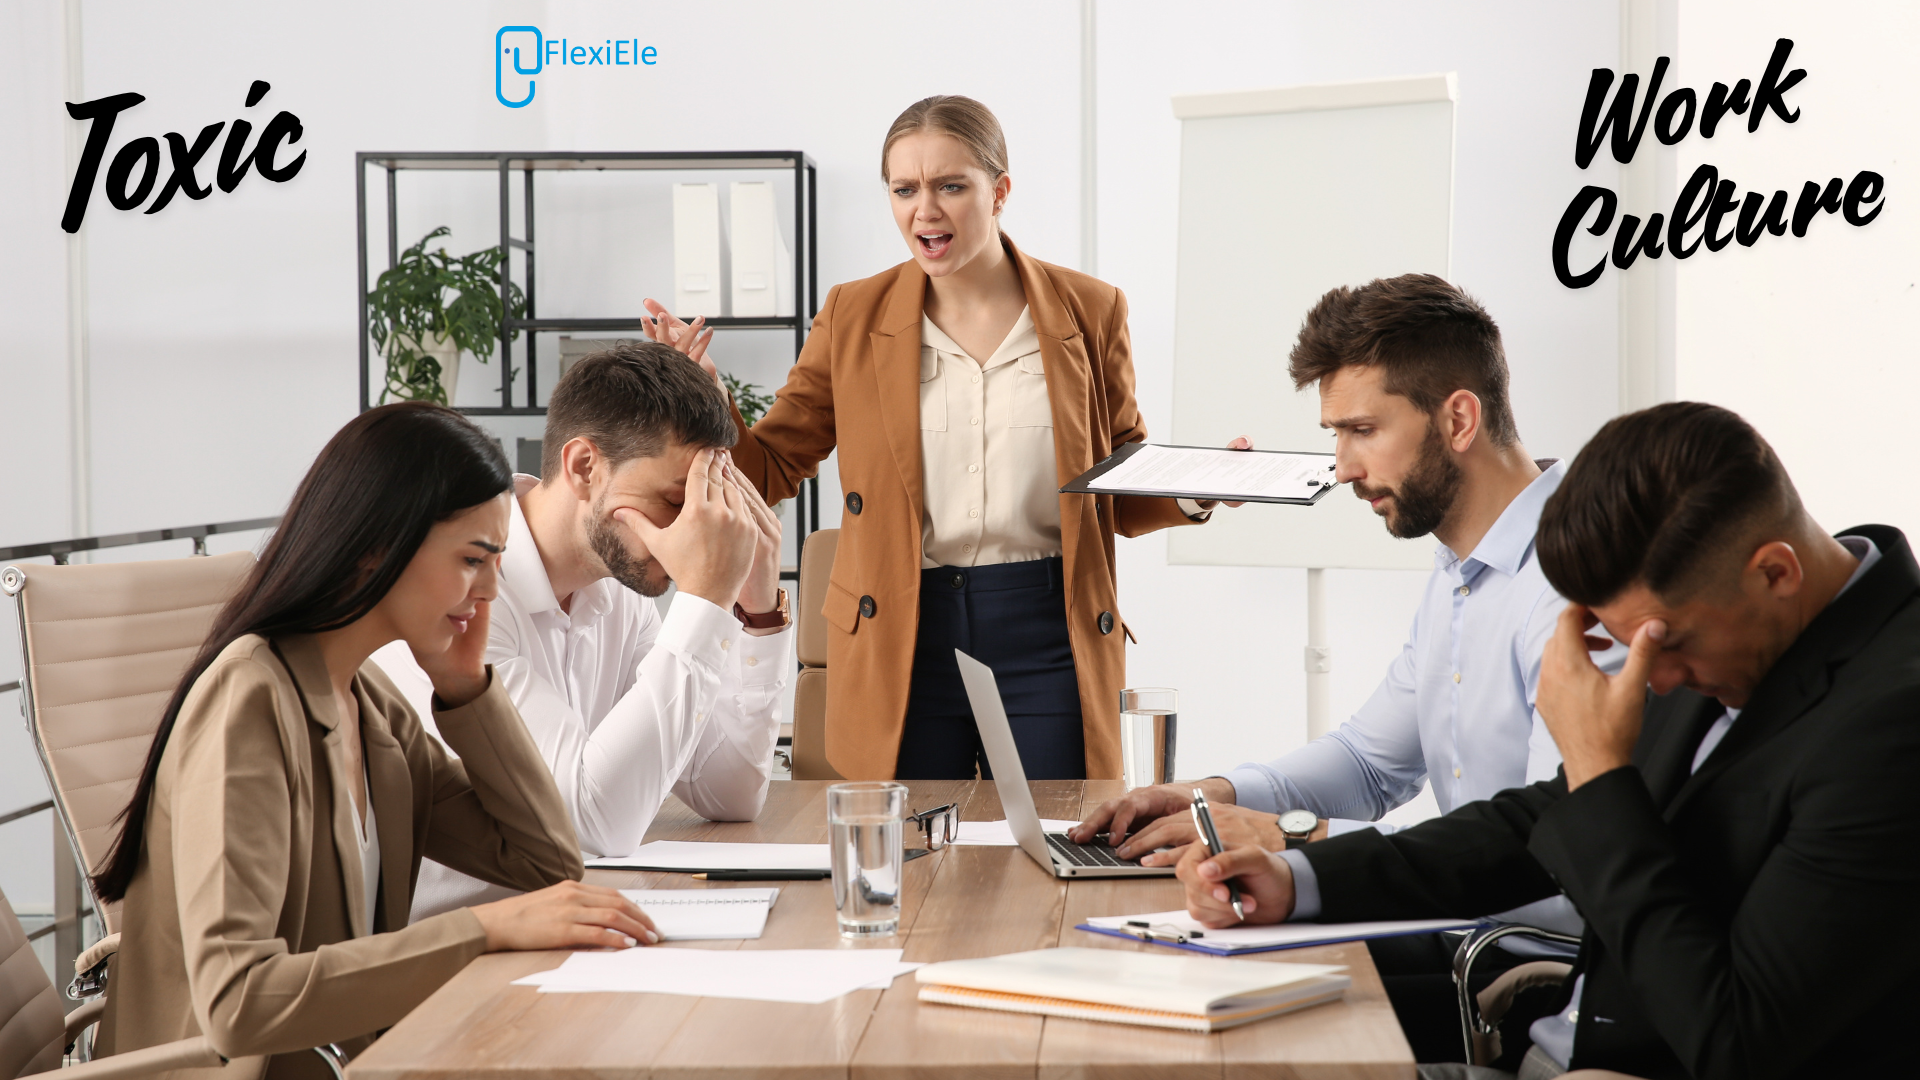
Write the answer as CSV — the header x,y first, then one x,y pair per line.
x,y
1209,472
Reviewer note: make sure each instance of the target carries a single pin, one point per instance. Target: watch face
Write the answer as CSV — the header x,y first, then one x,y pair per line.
x,y
1298,822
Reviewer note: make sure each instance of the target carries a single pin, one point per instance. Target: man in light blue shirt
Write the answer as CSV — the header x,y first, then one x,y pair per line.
x,y
1413,382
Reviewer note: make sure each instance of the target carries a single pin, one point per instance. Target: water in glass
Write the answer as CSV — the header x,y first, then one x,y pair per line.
x,y
1149,721
866,833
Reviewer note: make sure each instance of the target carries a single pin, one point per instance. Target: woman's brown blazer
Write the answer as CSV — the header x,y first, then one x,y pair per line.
x,y
856,387
245,921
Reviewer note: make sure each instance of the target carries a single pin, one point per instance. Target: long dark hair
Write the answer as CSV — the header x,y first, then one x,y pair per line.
x,y
371,497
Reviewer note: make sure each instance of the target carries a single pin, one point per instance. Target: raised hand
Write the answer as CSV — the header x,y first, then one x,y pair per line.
x,y
668,329
460,674
1594,717
709,549
570,915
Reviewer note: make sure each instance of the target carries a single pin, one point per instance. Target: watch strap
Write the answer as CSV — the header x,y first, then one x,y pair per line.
x,y
766,620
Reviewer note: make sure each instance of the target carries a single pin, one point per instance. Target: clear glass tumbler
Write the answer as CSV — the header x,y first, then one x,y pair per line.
x,y
1149,720
866,822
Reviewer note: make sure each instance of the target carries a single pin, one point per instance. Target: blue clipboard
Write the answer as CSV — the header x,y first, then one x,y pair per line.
x,y
1228,950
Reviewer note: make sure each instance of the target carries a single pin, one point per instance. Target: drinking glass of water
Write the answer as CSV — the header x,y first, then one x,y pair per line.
x,y
1149,718
866,821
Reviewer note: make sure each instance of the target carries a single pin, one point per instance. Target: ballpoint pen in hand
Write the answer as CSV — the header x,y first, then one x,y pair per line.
x,y
1203,820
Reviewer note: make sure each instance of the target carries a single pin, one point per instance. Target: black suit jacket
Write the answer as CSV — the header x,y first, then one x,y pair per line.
x,y
1758,918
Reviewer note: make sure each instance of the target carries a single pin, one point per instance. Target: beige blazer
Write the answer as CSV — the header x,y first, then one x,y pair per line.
x,y
856,388
245,920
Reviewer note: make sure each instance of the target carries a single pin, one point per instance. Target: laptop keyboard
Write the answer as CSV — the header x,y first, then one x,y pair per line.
x,y
1085,854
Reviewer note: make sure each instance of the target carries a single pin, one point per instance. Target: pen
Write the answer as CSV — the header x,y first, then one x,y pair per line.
x,y
1203,820
764,875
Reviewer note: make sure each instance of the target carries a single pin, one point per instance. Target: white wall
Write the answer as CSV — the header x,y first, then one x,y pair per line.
x,y
1811,338
224,330
1232,639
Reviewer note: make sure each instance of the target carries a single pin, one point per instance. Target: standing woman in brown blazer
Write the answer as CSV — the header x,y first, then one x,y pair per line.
x,y
268,857
962,388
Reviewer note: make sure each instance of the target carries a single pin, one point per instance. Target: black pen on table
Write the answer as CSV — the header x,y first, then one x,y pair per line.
x,y
1203,820
764,875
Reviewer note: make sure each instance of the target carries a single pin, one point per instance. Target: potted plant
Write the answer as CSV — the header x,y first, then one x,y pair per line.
x,y
428,308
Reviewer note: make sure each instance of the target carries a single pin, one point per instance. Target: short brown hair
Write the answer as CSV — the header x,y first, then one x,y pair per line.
x,y
961,117
630,401
1658,497
1428,337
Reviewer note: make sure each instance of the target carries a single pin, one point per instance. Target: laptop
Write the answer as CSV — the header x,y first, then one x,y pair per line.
x,y
1053,851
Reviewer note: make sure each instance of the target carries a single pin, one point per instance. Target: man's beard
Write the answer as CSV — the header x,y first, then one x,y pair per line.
x,y
1426,496
604,537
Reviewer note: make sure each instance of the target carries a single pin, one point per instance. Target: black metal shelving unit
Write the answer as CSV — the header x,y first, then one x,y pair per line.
x,y
528,165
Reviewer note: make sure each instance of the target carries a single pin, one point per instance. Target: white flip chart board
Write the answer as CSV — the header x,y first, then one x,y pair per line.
x,y
1285,194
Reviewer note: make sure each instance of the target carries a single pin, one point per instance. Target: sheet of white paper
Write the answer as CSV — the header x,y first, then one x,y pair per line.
x,y
692,856
705,914
806,976
1000,834
1284,934
1226,474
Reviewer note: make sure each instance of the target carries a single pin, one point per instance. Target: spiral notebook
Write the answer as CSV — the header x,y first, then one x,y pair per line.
x,y
705,914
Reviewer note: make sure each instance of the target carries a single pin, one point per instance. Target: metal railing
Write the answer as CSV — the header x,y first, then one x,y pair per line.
x,y
71,897
61,549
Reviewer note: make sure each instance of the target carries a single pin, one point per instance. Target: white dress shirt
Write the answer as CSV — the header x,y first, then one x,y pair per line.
x,y
624,705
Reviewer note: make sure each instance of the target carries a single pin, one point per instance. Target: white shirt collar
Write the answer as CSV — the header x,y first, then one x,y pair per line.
x,y
524,575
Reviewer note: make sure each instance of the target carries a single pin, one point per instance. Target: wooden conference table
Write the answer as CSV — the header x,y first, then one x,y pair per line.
x,y
958,903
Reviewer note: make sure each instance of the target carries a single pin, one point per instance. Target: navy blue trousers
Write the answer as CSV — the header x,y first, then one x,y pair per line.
x,y
1011,617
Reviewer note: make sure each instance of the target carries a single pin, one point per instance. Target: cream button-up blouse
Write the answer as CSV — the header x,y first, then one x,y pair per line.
x,y
986,451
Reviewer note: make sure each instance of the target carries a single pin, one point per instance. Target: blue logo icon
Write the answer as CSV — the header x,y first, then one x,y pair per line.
x,y
500,52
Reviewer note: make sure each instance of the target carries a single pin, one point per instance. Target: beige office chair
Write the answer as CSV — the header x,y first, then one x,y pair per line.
x,y
104,646
810,643
34,1036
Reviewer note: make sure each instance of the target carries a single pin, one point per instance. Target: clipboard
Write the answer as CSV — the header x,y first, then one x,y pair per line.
x,y
1082,484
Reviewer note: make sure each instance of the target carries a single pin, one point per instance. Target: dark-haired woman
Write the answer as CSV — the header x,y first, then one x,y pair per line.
x,y
269,852
961,388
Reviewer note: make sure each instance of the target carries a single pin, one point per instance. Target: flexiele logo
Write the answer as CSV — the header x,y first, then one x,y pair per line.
x,y
530,52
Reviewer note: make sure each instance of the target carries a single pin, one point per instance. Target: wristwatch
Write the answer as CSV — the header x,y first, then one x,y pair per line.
x,y
1298,825
779,618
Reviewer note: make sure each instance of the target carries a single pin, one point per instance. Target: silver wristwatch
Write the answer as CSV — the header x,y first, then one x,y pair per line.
x,y
1298,825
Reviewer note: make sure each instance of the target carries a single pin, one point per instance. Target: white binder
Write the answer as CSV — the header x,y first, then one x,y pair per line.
x,y
697,282
762,265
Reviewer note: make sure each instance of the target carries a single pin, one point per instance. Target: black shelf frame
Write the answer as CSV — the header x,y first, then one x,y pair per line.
x,y
528,164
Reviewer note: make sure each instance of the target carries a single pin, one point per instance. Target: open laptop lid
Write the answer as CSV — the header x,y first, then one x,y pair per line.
x,y
996,735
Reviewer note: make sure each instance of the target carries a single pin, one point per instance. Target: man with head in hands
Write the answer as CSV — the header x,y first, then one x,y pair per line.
x,y
1413,384
1742,842
637,493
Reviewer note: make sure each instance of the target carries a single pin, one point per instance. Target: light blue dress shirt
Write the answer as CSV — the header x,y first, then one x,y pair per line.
x,y
1456,708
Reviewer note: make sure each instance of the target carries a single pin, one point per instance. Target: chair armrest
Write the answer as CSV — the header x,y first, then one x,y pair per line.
x,y
1475,1032
194,1053
96,954
78,1019
90,969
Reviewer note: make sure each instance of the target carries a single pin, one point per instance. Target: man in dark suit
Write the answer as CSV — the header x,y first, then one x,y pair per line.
x,y
1743,844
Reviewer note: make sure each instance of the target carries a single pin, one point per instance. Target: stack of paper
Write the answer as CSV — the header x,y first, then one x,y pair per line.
x,y
1169,926
999,833
705,914
805,976
1152,989
697,857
